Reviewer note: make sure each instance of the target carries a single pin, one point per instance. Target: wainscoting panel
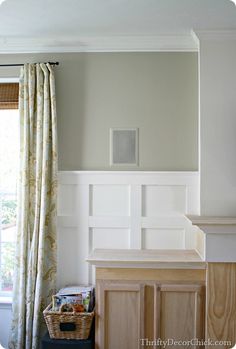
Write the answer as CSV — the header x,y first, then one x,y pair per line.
x,y
110,200
163,238
116,209
112,238
164,199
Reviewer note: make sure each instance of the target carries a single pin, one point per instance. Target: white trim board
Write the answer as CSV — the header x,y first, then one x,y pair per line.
x,y
227,34
122,43
9,80
216,237
190,178
212,220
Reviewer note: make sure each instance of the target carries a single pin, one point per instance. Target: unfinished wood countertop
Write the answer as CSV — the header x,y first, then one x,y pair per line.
x,y
131,258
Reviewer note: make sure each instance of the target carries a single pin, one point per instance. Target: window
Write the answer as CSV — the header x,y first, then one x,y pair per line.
x,y
9,155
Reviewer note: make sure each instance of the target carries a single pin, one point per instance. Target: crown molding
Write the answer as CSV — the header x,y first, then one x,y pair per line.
x,y
123,43
229,34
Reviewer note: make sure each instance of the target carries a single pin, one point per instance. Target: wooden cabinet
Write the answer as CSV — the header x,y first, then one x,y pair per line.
x,y
131,310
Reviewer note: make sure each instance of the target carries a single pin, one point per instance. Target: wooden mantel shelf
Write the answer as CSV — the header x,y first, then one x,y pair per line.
x,y
131,258
211,220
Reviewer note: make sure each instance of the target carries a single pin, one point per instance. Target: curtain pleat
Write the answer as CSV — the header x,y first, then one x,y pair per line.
x,y
35,272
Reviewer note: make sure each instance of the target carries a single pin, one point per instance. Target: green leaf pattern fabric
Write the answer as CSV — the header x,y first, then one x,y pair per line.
x,y
35,266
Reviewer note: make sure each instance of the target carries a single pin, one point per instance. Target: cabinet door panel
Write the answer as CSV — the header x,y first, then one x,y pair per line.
x,y
120,314
179,313
129,311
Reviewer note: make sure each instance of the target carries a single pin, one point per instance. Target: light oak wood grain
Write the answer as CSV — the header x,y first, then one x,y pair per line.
x,y
151,274
180,312
128,310
120,313
221,303
149,312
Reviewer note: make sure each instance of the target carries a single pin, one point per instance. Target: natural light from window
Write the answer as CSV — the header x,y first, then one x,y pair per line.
x,y
9,155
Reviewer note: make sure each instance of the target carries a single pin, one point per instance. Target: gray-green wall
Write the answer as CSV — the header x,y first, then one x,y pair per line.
x,y
156,92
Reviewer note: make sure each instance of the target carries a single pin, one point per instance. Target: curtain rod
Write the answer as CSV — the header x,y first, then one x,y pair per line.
x,y
21,64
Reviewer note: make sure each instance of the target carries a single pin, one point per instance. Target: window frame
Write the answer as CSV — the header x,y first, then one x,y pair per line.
x,y
6,297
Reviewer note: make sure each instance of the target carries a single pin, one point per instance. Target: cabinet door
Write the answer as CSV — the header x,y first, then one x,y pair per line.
x,y
120,311
179,314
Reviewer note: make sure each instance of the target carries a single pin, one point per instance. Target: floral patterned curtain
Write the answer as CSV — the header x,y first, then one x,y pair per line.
x,y
35,272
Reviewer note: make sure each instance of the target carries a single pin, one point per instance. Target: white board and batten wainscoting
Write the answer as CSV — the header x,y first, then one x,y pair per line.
x,y
118,210
122,210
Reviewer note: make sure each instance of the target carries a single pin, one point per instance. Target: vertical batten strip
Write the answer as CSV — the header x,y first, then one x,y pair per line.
x,y
135,216
83,228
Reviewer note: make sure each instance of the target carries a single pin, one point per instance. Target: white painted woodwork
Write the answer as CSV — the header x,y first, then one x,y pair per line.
x,y
215,238
217,141
212,220
122,210
117,43
164,238
94,26
107,200
135,216
107,238
5,323
164,199
73,235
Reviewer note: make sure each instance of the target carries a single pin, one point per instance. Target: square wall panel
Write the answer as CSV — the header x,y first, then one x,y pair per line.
x,y
110,238
110,200
164,199
67,200
70,263
163,238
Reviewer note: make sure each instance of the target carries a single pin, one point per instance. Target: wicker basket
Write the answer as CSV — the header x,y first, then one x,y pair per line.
x,y
68,325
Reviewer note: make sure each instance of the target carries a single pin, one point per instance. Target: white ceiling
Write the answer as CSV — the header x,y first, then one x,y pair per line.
x,y
62,22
